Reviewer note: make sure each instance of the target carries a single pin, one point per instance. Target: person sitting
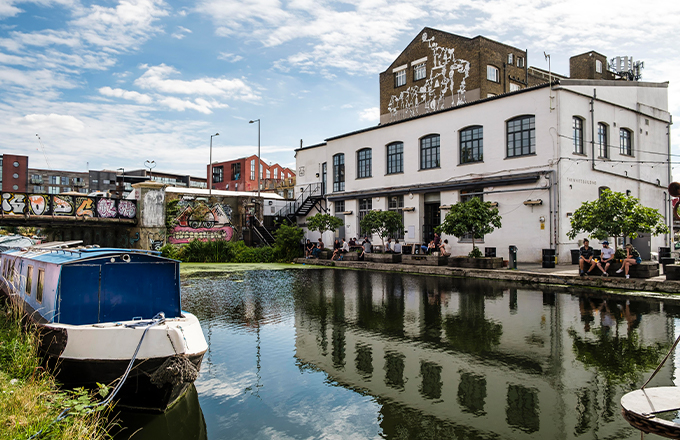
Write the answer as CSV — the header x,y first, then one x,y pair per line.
x,y
317,250
632,258
309,247
445,248
336,249
388,246
352,241
367,249
431,247
345,248
606,256
397,246
585,258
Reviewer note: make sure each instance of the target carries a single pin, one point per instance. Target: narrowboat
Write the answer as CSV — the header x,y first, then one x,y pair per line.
x,y
107,315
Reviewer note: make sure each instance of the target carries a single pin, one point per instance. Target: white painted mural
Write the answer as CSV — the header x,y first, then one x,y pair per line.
x,y
439,85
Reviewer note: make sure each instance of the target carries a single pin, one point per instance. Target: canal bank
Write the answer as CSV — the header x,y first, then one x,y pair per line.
x,y
526,273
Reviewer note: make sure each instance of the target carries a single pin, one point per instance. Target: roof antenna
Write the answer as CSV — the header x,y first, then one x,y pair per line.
x,y
43,150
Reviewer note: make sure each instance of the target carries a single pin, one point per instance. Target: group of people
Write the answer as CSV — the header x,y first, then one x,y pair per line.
x,y
587,258
437,245
341,246
313,250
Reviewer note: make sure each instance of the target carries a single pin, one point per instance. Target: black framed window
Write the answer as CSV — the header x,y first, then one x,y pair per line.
x,y
577,129
365,206
472,144
339,172
521,136
396,204
339,206
236,171
429,152
395,158
602,139
626,141
218,174
324,177
364,158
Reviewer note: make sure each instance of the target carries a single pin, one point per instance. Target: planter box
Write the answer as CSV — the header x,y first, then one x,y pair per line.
x,y
672,272
384,258
424,260
350,256
646,269
477,263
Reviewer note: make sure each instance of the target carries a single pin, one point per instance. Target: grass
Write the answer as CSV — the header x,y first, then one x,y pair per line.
x,y
29,397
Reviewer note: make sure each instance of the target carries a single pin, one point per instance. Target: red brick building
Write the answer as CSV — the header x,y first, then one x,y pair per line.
x,y
14,173
241,175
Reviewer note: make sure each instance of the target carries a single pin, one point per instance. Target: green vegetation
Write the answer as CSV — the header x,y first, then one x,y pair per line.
x,y
615,214
324,222
286,248
29,398
473,217
382,223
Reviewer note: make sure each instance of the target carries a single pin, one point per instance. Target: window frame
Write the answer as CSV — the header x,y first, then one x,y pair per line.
x,y
338,172
577,126
530,132
40,285
29,280
432,160
419,68
365,206
598,66
603,139
496,73
395,159
398,207
217,174
252,169
364,163
400,78
626,150
473,143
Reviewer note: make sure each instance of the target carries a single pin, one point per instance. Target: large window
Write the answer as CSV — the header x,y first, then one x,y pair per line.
x,y
521,136
252,169
364,163
365,206
339,172
400,78
602,140
577,134
419,72
429,152
218,174
236,171
626,141
471,144
396,204
41,285
29,280
492,74
261,169
395,158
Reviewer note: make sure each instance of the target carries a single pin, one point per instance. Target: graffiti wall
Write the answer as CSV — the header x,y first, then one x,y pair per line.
x,y
67,205
440,87
193,218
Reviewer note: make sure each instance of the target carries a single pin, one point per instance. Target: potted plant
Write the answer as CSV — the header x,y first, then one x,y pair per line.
x,y
322,223
382,224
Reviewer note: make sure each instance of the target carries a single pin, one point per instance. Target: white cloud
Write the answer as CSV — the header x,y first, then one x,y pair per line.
x,y
126,94
51,121
232,58
346,106
181,32
370,114
7,9
199,104
34,80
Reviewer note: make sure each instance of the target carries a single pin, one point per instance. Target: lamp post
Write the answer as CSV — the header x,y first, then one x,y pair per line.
x,y
258,154
123,191
210,172
150,164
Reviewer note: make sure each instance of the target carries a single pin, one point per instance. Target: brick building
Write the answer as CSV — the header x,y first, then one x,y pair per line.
x,y
57,181
240,175
14,173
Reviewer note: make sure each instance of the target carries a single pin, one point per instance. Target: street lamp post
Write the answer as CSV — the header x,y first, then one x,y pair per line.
x,y
258,154
123,191
210,176
150,164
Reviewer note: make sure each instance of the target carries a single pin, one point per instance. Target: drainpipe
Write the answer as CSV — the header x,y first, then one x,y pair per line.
x,y
665,214
526,67
670,235
592,126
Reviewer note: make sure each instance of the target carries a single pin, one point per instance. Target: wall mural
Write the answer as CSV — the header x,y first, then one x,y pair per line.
x,y
196,220
156,240
437,87
67,205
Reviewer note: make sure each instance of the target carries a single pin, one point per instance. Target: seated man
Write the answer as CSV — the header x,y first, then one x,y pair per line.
x,y
309,247
432,247
388,246
397,246
367,249
632,258
317,250
607,256
445,248
345,248
585,258
336,249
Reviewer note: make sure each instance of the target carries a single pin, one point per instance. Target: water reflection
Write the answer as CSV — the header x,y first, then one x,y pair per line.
x,y
354,354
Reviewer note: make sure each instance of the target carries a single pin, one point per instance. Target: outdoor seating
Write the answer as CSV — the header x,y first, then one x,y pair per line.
x,y
424,260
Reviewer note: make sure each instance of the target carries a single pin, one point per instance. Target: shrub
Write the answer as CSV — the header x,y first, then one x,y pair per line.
x,y
475,253
287,246
218,251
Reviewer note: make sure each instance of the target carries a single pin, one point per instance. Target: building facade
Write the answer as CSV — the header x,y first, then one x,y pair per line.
x,y
57,181
241,175
538,152
14,173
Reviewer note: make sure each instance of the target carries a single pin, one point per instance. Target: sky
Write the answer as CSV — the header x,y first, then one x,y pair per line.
x,y
113,84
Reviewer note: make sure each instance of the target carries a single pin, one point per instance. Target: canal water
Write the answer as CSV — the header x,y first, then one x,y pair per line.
x,y
340,354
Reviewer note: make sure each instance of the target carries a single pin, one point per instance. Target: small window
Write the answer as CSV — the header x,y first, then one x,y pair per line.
x,y
339,206
364,158
41,285
520,62
29,280
218,174
514,87
16,164
471,144
626,141
269,174
602,139
598,66
261,170
15,187
395,158
15,175
521,136
400,78
492,74
577,133
419,72
276,173
510,59
429,152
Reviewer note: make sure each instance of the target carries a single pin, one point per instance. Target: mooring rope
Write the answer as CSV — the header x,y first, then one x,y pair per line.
x,y
661,364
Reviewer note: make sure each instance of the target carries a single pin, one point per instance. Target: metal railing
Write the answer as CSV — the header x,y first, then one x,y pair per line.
x,y
291,208
267,237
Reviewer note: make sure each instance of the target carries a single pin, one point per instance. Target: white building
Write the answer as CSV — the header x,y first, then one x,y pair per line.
x,y
538,152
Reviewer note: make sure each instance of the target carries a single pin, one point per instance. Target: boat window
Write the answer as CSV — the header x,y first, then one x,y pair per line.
x,y
29,280
41,283
11,272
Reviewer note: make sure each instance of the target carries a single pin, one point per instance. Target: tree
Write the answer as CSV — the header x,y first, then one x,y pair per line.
x,y
324,222
473,217
615,214
288,242
382,223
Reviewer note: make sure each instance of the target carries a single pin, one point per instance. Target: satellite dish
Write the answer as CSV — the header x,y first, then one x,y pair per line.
x,y
674,189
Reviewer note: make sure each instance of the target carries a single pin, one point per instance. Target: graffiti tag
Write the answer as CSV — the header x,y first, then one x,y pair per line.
x,y
13,203
127,209
106,208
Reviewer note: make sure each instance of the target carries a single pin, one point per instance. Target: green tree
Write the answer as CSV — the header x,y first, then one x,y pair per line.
x,y
382,223
615,214
324,222
473,217
288,242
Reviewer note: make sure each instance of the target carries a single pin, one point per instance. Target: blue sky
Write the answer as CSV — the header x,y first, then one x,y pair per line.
x,y
112,84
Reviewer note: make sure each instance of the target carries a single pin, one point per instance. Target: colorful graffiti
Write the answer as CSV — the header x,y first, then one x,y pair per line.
x,y
67,205
198,221
156,240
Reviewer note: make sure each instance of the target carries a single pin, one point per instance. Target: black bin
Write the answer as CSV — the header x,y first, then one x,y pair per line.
x,y
664,252
548,258
490,252
574,256
666,260
406,249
